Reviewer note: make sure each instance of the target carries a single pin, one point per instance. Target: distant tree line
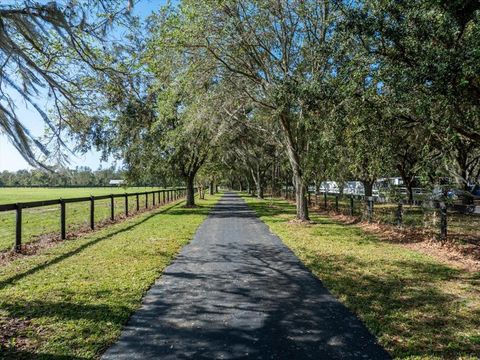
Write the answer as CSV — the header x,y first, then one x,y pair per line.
x,y
80,176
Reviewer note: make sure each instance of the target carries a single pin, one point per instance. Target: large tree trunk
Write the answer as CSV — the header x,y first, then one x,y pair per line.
x,y
260,192
301,198
257,178
463,164
410,192
249,190
407,177
368,186
298,181
286,189
317,191
190,190
341,188
212,191
275,185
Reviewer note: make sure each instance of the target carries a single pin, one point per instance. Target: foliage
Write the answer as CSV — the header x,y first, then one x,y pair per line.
x,y
80,176
37,43
287,94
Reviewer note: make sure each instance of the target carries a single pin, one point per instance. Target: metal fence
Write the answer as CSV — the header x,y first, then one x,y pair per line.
x,y
151,199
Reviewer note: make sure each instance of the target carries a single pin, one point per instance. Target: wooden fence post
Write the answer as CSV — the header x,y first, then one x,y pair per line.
x,y
443,221
400,215
18,228
167,196
370,208
63,230
92,212
112,208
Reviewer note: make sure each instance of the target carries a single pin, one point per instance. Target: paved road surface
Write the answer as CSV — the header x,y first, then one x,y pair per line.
x,y
236,292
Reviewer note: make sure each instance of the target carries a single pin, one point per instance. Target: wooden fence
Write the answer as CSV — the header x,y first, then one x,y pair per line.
x,y
352,203
159,197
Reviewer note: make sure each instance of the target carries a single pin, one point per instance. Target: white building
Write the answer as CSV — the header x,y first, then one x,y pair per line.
x,y
114,182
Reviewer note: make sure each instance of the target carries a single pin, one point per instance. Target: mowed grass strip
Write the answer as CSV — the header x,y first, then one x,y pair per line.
x,y
46,220
72,300
418,307
414,216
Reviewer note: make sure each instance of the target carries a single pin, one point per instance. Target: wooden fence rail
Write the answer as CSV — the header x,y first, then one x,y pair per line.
x,y
159,197
353,201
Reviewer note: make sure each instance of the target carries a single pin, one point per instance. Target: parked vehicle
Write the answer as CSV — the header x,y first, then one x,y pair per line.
x,y
464,196
475,191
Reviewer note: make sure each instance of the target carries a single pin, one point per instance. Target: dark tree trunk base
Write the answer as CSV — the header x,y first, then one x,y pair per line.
x,y
301,222
190,206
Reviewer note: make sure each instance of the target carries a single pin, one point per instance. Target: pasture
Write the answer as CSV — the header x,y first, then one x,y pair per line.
x,y
72,300
24,194
46,220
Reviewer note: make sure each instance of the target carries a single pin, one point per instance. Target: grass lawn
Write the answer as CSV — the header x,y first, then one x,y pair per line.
x,y
46,220
418,307
460,225
24,194
71,301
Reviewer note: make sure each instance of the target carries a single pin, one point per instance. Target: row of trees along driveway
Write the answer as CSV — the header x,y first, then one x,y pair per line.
x,y
259,93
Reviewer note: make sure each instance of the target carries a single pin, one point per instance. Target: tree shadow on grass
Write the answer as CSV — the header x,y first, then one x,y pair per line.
x,y
262,208
61,311
414,305
409,306
242,301
196,210
66,310
171,210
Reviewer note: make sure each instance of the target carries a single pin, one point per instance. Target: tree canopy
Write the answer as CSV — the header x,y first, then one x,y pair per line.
x,y
262,94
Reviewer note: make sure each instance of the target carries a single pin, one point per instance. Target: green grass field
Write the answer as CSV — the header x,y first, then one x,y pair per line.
x,y
418,307
46,220
71,301
14,195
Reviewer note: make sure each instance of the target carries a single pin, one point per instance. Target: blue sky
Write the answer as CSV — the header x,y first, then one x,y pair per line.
x,y
11,160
